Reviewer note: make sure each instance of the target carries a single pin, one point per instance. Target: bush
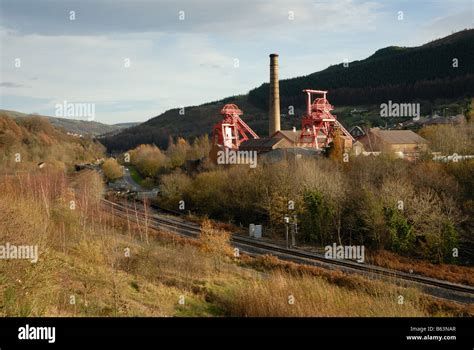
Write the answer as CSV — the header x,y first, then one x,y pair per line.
x,y
174,187
449,139
364,219
177,152
439,248
316,219
112,169
208,193
449,238
402,235
149,160
215,242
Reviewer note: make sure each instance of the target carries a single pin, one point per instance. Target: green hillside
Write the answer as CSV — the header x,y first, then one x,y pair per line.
x,y
396,73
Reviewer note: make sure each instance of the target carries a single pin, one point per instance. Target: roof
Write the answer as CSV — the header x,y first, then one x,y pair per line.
x,y
266,143
358,128
293,136
398,136
455,119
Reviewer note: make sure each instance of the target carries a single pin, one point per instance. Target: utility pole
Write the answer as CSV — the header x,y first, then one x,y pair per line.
x,y
294,229
293,232
287,223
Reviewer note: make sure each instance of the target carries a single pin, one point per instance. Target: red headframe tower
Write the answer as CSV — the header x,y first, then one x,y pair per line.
x,y
318,119
231,131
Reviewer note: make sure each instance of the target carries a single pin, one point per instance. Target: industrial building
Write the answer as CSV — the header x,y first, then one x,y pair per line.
x,y
318,125
318,129
401,143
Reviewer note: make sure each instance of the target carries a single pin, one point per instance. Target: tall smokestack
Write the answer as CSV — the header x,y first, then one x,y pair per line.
x,y
274,113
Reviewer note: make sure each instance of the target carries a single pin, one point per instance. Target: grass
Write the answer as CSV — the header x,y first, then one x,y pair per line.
x,y
448,272
135,175
138,178
282,295
111,267
82,258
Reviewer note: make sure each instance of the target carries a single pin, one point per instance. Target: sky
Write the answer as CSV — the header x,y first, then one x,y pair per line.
x,y
134,59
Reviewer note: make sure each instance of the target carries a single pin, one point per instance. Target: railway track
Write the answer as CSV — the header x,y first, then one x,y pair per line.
x,y
439,288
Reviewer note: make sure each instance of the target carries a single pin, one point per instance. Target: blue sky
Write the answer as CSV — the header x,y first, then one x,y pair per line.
x,y
219,49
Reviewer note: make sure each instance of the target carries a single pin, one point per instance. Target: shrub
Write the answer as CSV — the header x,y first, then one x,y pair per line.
x,y
439,248
317,217
449,139
215,242
174,187
112,169
177,152
149,160
401,232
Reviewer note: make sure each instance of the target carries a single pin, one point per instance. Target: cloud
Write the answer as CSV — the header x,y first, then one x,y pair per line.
x,y
219,17
186,62
172,62
447,24
9,84
164,72
448,21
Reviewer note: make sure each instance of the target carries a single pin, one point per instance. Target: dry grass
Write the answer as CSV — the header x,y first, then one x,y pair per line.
x,y
83,258
281,295
106,265
357,283
448,272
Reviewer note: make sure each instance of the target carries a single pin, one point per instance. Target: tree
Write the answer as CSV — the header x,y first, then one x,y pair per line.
x,y
177,152
174,187
149,160
215,242
402,234
112,169
317,217
337,146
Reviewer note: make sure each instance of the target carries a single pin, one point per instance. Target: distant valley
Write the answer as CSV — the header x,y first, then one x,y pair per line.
x,y
76,126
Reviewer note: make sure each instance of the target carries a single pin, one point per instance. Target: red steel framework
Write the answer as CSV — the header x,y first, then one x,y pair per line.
x,y
231,131
318,119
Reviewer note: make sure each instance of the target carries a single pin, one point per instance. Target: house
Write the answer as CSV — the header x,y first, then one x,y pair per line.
x,y
294,138
402,143
265,144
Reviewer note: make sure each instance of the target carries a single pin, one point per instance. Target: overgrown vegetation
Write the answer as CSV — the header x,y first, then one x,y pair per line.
x,y
94,264
24,142
112,169
421,209
449,139
151,162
